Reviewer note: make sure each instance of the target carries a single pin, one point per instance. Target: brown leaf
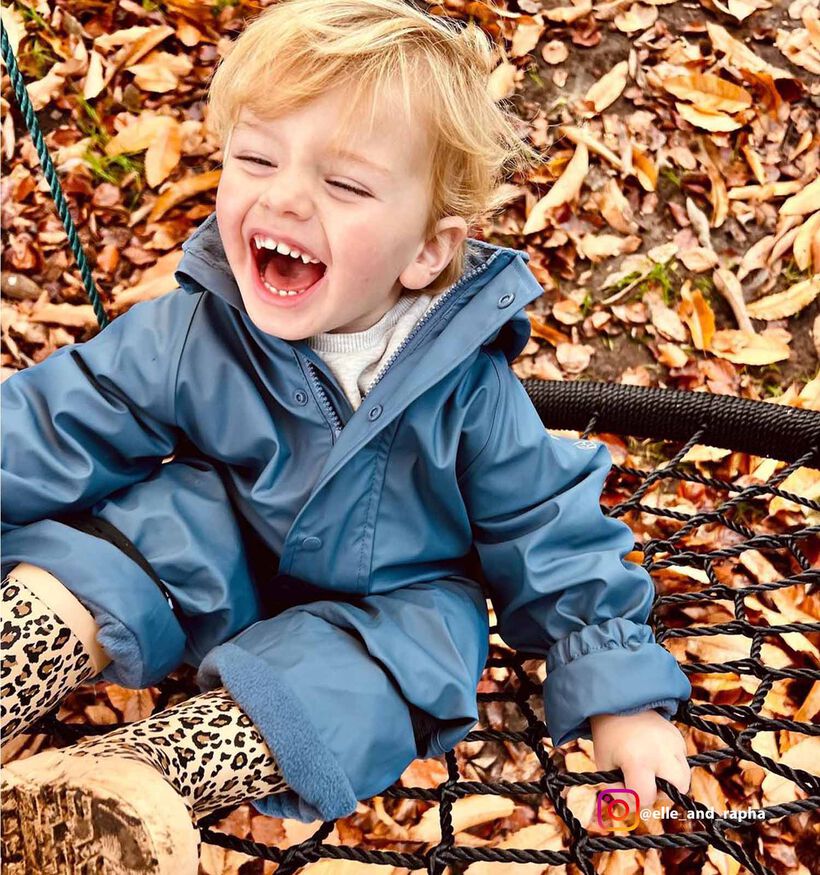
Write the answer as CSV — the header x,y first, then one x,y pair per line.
x,y
742,348
547,332
709,93
729,286
163,154
786,303
698,316
804,242
69,315
567,14
467,812
807,201
160,71
132,704
182,190
566,188
609,87
709,121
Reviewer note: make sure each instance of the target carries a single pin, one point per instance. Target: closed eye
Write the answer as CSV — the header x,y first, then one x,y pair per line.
x,y
265,163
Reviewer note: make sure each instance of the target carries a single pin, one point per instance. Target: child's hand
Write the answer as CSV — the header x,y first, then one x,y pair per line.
x,y
644,745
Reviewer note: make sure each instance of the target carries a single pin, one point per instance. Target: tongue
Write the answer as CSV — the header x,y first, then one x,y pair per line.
x,y
291,274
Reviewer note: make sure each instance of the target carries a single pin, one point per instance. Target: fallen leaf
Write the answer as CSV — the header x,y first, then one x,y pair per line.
x,y
709,93
467,812
182,190
807,201
806,245
698,316
566,188
609,87
163,154
742,348
568,14
786,303
636,17
709,121
729,286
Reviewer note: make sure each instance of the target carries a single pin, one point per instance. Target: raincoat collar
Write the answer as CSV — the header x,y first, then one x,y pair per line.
x,y
477,306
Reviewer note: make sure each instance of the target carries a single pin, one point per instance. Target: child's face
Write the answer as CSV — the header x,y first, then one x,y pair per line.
x,y
281,180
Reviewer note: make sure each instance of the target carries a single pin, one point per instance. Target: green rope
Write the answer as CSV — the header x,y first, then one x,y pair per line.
x,y
50,173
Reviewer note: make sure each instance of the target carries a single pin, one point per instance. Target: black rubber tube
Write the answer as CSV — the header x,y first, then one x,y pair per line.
x,y
773,430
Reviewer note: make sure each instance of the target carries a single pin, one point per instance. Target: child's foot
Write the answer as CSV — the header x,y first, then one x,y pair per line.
x,y
65,815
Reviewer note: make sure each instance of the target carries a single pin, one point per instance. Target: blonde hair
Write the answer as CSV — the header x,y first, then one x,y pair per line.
x,y
296,50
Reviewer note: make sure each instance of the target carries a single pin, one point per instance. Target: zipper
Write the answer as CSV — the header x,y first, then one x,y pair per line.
x,y
426,318
330,410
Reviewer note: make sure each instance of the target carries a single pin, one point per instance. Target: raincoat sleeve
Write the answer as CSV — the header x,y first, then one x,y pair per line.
x,y
88,421
555,566
94,417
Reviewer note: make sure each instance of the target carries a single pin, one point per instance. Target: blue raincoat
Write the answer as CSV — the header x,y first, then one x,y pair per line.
x,y
331,567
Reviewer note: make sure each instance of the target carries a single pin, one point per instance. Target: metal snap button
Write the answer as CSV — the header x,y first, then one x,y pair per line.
x,y
311,543
505,300
375,412
300,397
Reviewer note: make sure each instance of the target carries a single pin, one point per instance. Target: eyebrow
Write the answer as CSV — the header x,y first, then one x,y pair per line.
x,y
344,154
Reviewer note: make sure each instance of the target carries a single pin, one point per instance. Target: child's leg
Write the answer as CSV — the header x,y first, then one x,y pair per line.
x,y
133,794
49,647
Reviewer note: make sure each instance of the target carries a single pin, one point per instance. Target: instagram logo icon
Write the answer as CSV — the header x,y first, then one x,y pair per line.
x,y
618,808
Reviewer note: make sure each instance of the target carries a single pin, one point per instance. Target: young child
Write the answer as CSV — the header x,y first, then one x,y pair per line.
x,y
354,464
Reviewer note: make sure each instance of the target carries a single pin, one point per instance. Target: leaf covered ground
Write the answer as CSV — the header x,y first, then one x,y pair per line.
x,y
675,229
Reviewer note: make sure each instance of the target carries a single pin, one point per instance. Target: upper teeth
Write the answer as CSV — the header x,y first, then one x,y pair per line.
x,y
268,243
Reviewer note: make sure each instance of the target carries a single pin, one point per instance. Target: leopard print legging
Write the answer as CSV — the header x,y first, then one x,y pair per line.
x,y
42,659
207,748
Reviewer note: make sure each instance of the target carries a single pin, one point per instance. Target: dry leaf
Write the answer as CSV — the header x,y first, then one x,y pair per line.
x,y
467,813
554,52
163,154
805,755
183,189
502,81
583,135
94,79
69,315
644,169
156,281
567,14
729,286
807,201
697,259
743,348
637,17
709,93
806,245
160,72
547,332
566,188
525,38
787,303
573,357
709,121
698,316
609,87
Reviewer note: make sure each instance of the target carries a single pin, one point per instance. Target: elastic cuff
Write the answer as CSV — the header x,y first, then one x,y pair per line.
x,y
614,680
137,628
320,788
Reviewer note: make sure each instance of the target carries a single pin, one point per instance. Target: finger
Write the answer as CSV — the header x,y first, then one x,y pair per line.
x,y
640,778
676,770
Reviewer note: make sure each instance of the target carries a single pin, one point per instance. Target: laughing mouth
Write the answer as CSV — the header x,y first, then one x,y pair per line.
x,y
284,273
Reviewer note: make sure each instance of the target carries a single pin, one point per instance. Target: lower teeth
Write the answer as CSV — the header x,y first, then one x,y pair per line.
x,y
281,292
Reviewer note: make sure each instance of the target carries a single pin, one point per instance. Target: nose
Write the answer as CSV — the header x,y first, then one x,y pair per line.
x,y
287,193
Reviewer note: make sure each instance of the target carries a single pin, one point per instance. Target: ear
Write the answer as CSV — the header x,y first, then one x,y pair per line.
x,y
435,254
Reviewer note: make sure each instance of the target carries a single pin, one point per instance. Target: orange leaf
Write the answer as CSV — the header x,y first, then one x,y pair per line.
x,y
709,93
182,190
